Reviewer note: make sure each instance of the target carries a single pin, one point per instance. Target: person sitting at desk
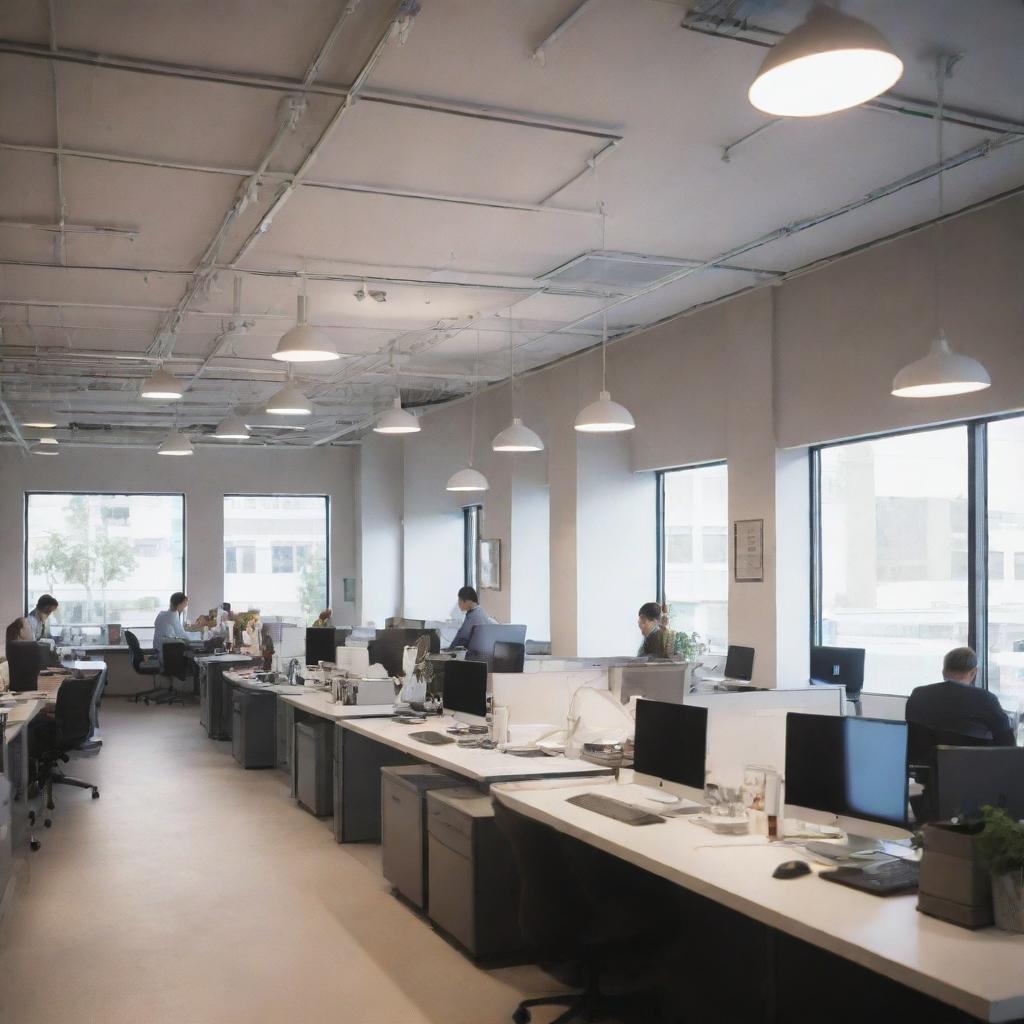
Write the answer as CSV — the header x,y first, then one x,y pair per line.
x,y
170,625
37,618
659,640
956,705
469,604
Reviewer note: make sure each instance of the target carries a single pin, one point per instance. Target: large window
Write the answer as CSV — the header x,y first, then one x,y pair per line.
x,y
276,554
919,547
693,551
105,557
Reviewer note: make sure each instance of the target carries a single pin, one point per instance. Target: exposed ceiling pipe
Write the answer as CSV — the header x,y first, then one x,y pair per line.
x,y
60,242
540,51
71,229
12,423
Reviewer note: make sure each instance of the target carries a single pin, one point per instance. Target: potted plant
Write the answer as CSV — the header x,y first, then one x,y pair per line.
x,y
1001,844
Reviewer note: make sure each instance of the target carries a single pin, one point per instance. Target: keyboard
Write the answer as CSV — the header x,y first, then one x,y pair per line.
x,y
887,879
435,739
616,809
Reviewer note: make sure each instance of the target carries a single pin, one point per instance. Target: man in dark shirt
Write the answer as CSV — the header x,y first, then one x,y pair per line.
x,y
955,705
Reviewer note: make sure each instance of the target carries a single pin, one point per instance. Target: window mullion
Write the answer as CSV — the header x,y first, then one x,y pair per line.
x,y
977,546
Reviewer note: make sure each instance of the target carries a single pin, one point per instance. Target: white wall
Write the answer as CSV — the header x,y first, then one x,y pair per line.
x,y
204,478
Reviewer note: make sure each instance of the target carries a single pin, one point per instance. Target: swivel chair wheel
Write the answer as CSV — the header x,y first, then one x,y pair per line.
x,y
34,844
31,817
95,793
521,1016
47,822
49,804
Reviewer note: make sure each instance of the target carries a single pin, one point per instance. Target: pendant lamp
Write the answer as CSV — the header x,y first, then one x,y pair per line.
x,y
943,371
289,401
604,416
176,443
397,420
162,386
41,449
304,343
470,479
232,428
517,436
830,62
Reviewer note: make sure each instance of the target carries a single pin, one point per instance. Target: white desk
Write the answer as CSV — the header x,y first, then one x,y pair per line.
x,y
21,713
977,972
316,703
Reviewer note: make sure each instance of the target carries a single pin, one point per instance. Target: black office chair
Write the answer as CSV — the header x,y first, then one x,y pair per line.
x,y
508,657
921,743
175,666
142,665
579,905
25,660
69,730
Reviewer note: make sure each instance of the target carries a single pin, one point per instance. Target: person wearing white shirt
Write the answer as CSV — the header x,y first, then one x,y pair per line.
x,y
37,618
170,625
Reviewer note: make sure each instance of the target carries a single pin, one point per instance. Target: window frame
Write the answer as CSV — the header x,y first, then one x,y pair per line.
x,y
977,527
472,516
101,494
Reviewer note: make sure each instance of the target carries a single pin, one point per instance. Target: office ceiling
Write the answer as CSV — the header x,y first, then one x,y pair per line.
x,y
203,154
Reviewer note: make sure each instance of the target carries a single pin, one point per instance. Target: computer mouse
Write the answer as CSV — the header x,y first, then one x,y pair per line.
x,y
791,869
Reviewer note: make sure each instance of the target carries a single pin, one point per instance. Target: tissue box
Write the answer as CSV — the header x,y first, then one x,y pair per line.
x,y
954,883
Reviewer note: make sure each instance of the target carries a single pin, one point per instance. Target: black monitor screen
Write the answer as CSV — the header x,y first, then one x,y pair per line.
x,y
670,742
465,687
843,666
739,663
855,767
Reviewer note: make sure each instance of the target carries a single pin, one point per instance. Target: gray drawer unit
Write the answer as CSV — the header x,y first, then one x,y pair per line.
x,y
253,728
403,826
204,698
313,764
472,877
285,738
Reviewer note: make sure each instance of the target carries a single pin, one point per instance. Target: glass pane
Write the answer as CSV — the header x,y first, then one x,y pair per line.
x,y
1006,553
894,553
471,544
696,530
275,555
105,557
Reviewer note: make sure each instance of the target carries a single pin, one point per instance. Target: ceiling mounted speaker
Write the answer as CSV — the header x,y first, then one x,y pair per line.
x,y
830,62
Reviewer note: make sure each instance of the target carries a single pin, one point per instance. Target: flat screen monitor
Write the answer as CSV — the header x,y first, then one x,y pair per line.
x,y
671,742
465,691
841,666
967,778
739,663
848,771
508,657
320,644
388,646
354,660
483,638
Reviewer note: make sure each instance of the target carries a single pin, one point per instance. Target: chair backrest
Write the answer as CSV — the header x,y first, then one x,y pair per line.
x,y
25,659
134,648
922,741
173,657
72,714
553,909
508,657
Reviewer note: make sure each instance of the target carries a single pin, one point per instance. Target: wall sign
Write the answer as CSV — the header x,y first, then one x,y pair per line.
x,y
748,550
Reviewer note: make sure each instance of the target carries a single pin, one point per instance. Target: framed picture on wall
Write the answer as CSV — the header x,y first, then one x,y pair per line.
x,y
748,550
490,564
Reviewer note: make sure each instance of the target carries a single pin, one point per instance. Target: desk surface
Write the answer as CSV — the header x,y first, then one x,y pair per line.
x,y
316,703
21,714
978,972
223,659
471,762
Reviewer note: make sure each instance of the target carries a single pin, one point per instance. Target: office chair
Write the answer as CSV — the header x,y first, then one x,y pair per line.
x,y
921,743
25,659
508,657
175,667
69,730
143,666
577,904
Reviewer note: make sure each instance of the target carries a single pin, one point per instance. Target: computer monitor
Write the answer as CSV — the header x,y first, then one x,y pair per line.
x,y
739,663
354,660
840,666
508,657
388,646
465,691
320,644
850,772
670,746
965,779
483,638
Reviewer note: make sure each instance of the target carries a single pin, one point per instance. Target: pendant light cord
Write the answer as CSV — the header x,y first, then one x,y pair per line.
x,y
476,393
511,363
942,69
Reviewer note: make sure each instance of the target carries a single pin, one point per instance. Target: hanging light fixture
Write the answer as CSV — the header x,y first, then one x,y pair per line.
x,y
517,436
604,416
397,420
40,422
470,479
176,443
162,386
47,440
41,449
830,62
943,371
304,343
232,428
289,401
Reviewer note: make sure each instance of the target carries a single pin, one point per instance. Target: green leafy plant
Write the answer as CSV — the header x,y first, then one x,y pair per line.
x,y
688,646
1001,842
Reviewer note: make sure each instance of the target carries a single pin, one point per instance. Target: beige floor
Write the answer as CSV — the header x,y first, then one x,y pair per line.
x,y
197,893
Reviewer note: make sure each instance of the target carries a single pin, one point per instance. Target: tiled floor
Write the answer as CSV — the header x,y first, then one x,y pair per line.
x,y
194,892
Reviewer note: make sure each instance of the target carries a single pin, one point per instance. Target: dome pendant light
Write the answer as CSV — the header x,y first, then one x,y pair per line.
x,y
469,479
162,386
516,437
397,420
176,443
831,62
289,401
304,343
943,371
232,428
604,416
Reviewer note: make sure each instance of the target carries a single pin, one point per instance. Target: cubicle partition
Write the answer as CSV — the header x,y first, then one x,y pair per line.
x,y
388,646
